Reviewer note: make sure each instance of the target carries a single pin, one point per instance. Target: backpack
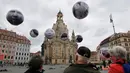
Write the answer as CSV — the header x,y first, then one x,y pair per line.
x,y
126,68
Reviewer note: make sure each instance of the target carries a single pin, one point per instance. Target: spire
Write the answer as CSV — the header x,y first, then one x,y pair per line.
x,y
73,36
59,16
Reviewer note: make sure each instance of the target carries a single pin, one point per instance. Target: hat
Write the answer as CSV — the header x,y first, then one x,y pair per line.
x,y
84,51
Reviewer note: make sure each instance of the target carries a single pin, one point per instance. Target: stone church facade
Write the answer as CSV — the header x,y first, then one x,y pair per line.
x,y
56,50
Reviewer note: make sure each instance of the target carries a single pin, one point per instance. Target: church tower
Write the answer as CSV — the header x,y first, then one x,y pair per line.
x,y
73,38
56,50
59,27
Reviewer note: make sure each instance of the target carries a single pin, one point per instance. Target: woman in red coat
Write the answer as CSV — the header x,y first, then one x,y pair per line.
x,y
118,58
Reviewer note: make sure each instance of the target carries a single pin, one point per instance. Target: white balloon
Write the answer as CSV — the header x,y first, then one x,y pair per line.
x,y
104,53
49,33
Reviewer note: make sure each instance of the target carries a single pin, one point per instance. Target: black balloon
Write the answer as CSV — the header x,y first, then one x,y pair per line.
x,y
80,10
64,36
34,33
15,17
79,38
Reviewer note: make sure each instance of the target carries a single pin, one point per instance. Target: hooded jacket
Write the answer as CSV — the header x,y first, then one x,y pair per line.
x,y
117,67
34,71
81,68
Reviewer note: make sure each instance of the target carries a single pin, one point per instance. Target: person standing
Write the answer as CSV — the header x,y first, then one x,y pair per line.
x,y
35,65
81,65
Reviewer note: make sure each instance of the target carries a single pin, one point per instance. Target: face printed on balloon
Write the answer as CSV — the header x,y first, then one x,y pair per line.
x,y
34,33
64,36
80,10
15,17
49,33
79,38
104,54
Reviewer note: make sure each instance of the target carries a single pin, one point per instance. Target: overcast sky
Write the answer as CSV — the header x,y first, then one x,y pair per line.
x,y
41,14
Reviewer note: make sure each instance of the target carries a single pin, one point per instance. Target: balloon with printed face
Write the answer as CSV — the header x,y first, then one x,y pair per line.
x,y
49,33
80,10
104,54
64,36
15,17
79,38
34,33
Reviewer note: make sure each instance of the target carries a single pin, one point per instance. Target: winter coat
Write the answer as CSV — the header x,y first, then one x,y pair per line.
x,y
81,68
117,67
34,71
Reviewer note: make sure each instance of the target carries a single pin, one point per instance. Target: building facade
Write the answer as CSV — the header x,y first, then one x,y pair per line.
x,y
35,54
119,39
56,50
8,45
22,50
94,57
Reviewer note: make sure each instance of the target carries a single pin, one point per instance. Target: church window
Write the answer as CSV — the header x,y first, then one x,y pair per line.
x,y
119,44
126,44
125,39
129,40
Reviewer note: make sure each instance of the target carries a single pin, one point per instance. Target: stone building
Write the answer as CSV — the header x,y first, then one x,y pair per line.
x,y
14,48
56,50
94,57
38,53
119,39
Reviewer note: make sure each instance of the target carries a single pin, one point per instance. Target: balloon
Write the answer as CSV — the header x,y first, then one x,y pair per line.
x,y
104,54
49,33
64,36
80,10
34,33
79,38
15,17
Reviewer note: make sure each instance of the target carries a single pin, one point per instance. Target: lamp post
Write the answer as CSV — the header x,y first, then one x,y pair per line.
x,y
111,21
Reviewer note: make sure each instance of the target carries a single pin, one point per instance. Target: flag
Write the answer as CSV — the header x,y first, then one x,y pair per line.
x,y
111,20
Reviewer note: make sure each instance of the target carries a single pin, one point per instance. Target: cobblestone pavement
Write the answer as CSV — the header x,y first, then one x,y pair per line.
x,y
48,69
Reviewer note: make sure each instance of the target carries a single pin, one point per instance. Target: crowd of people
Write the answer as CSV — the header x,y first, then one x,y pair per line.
x,y
118,55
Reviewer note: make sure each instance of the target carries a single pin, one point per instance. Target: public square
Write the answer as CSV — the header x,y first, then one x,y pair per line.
x,y
48,69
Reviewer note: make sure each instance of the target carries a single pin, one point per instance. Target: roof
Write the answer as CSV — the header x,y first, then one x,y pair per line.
x,y
14,34
114,36
105,41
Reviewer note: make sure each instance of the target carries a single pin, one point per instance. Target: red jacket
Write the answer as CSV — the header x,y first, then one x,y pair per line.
x,y
115,68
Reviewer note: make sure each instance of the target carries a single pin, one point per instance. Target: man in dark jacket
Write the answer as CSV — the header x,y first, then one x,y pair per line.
x,y
35,65
81,65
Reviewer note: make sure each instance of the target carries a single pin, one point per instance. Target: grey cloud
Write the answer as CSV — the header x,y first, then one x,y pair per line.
x,y
101,31
78,26
41,14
